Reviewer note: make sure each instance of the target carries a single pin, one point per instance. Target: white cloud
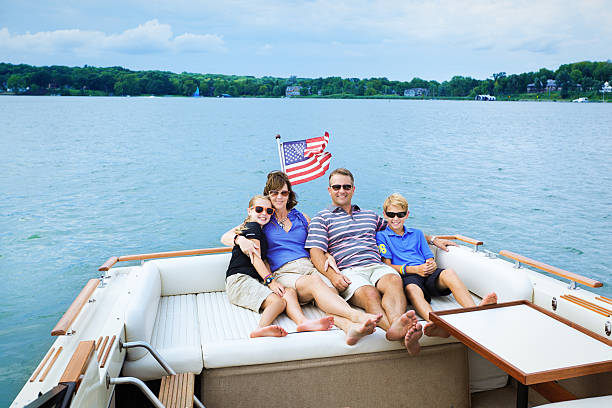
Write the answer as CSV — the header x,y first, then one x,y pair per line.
x,y
151,37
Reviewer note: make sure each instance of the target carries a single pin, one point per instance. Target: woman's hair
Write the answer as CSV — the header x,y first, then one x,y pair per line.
x,y
396,199
242,226
276,181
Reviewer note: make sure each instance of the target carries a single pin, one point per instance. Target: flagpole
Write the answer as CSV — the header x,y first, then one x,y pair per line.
x,y
280,153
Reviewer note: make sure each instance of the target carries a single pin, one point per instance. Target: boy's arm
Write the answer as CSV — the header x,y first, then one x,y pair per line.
x,y
421,270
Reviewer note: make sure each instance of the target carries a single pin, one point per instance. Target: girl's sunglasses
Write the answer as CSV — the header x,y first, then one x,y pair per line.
x,y
346,187
259,209
284,193
392,214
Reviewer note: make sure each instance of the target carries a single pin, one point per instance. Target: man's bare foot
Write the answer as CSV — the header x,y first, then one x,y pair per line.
x,y
269,331
359,330
432,330
489,299
411,340
400,326
324,323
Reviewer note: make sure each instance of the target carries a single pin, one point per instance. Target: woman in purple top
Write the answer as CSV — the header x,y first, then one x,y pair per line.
x,y
290,262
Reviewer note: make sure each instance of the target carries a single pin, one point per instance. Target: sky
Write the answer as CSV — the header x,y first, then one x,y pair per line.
x,y
400,40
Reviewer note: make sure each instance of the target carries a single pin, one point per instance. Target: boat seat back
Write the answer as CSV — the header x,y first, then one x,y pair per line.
x,y
483,275
195,274
142,310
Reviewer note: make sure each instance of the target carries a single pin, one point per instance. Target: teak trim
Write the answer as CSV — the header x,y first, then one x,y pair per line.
x,y
587,305
53,360
552,269
110,345
553,392
78,362
461,238
42,365
102,349
604,299
73,311
114,259
515,372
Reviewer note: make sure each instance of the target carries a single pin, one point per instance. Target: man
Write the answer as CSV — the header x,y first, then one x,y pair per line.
x,y
348,233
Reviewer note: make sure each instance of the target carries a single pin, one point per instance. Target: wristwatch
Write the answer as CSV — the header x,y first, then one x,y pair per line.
x,y
431,241
268,280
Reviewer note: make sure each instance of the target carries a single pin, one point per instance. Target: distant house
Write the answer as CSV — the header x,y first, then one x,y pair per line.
x,y
293,90
551,85
416,92
532,88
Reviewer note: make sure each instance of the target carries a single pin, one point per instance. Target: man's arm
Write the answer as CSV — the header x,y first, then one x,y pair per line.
x,y
319,258
440,243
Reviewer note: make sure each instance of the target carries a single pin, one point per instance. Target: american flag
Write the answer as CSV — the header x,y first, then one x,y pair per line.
x,y
305,160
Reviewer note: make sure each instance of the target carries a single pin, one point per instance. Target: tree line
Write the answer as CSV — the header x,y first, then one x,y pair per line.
x,y
571,78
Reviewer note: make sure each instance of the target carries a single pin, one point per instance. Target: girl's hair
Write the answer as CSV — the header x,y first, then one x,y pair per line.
x,y
396,199
242,226
276,181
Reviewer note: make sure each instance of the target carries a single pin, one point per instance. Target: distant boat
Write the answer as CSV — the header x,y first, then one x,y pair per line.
x,y
581,100
196,94
485,98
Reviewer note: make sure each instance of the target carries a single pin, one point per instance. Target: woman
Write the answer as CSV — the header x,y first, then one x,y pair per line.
x,y
290,263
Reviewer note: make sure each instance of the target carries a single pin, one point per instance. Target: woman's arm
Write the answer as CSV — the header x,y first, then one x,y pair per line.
x,y
246,245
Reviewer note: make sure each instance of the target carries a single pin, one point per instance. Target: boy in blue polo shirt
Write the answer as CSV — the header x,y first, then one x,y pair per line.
x,y
407,251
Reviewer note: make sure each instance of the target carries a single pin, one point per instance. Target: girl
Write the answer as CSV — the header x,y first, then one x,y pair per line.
x,y
250,284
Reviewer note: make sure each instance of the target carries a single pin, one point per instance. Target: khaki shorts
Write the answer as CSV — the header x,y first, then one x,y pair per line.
x,y
243,290
364,276
288,274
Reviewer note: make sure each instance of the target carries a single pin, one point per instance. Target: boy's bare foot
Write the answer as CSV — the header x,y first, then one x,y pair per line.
x,y
324,323
432,330
411,340
269,331
400,326
359,330
489,299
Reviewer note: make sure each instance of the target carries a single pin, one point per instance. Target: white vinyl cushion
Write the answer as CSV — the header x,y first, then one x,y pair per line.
x,y
195,274
176,336
595,402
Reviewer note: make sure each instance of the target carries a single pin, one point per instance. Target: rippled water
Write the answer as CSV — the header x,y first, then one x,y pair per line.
x,y
82,179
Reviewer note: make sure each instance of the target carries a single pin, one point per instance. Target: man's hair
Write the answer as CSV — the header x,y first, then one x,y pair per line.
x,y
344,172
396,199
276,180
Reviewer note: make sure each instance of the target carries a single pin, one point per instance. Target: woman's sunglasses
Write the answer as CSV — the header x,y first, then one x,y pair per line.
x,y
347,187
259,209
392,214
284,193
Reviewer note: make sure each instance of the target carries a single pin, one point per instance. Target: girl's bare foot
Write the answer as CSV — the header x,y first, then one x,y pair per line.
x,y
432,330
400,326
324,323
359,330
489,299
269,331
411,340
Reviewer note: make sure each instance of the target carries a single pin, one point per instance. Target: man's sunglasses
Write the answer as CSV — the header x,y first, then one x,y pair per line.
x,y
347,187
284,193
392,214
259,209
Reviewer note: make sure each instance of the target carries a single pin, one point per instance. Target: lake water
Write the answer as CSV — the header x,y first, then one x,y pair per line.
x,y
82,179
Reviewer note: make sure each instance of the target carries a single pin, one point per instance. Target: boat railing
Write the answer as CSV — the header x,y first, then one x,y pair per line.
x,y
573,277
463,238
64,323
142,257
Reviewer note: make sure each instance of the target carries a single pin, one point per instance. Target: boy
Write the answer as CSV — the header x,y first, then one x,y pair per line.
x,y
406,250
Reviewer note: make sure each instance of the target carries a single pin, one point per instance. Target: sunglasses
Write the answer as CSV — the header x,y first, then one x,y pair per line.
x,y
346,187
284,193
392,214
259,209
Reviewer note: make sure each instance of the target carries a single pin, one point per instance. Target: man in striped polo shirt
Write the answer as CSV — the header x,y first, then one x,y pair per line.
x,y
348,233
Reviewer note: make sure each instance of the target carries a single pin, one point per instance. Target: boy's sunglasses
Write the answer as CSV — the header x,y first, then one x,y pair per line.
x,y
347,187
259,209
392,214
284,193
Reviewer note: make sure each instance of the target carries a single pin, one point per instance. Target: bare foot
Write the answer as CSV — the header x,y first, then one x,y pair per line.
x,y
324,323
432,330
359,330
269,331
411,340
400,326
490,299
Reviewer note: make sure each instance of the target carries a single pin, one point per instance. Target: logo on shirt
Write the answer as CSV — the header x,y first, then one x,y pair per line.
x,y
382,249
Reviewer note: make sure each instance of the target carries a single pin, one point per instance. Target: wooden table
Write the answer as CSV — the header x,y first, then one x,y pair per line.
x,y
528,342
